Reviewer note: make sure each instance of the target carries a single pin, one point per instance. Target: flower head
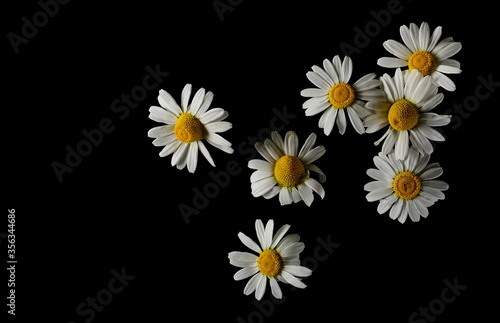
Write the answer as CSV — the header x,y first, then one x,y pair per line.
x,y
187,126
336,96
409,98
277,259
406,188
285,170
424,52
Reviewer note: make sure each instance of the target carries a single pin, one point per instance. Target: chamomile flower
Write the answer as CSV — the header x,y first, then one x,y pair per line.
x,y
406,188
277,259
409,98
336,97
186,126
425,53
285,170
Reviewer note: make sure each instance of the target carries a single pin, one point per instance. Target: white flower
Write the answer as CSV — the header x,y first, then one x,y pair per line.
x,y
425,53
406,187
187,125
335,95
277,260
410,97
286,169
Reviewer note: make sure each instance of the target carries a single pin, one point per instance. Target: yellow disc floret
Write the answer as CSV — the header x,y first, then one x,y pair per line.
x,y
403,115
270,263
423,61
189,128
406,185
289,171
341,95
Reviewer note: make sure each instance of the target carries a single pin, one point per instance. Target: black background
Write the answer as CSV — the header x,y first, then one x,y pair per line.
x,y
119,207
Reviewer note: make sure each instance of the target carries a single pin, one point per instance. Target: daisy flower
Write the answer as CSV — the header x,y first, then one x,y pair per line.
x,y
277,260
406,187
336,97
410,97
425,53
186,126
285,170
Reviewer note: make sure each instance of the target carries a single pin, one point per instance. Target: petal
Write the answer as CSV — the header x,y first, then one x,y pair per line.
x,y
317,80
261,287
294,281
315,186
260,164
259,228
355,121
209,96
186,93
220,126
161,115
204,151
397,49
275,288
279,235
192,157
341,121
346,70
243,256
402,145
249,242
263,186
161,131
168,102
197,101
391,62
252,284
313,92
219,142
212,115
285,196
299,271
313,155
306,194
291,143
245,273
308,144
268,234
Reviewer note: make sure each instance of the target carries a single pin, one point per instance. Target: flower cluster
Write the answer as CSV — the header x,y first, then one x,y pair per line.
x,y
404,182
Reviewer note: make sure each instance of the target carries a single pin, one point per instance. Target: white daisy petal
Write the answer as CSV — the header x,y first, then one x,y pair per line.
x,y
279,235
275,288
186,93
391,62
313,93
219,142
355,121
205,153
317,80
397,49
197,101
402,145
330,118
299,271
444,81
168,102
163,141
260,164
291,143
308,144
268,234
314,154
209,96
285,196
306,194
192,157
249,242
259,229
220,126
245,273
252,284
243,256
170,148
161,131
162,115
292,280
436,35
346,70
315,186
263,186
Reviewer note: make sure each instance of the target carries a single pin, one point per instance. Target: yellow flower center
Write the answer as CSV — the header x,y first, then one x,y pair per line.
x,y
189,128
289,171
423,61
270,263
406,185
403,115
341,95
